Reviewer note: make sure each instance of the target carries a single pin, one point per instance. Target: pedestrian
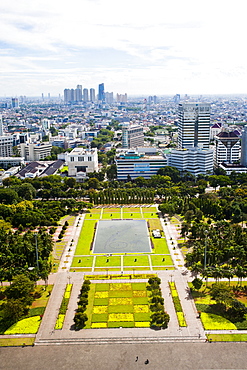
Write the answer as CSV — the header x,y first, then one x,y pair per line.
x,y
146,362
136,358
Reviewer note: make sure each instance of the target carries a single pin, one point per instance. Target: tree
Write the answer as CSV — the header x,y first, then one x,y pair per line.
x,y
21,288
80,318
197,283
13,310
93,183
160,319
222,294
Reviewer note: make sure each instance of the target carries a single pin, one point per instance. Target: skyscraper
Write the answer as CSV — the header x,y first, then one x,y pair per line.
x,y
193,125
78,93
85,95
92,94
244,147
101,96
1,125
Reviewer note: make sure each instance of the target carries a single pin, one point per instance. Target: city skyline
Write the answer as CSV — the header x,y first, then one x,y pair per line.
x,y
139,47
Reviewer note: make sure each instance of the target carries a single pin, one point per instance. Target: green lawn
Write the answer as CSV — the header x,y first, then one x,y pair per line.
x,y
110,216
113,261
135,215
138,260
227,337
13,342
154,224
82,261
161,260
92,216
85,238
151,215
160,246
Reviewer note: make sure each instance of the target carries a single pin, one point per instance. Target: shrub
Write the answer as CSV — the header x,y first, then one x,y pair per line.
x,y
80,319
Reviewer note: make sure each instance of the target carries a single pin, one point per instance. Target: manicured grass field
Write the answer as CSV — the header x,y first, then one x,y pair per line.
x,y
215,322
151,215
115,305
92,216
112,215
136,260
135,215
85,238
227,337
102,261
160,246
159,260
82,261
13,342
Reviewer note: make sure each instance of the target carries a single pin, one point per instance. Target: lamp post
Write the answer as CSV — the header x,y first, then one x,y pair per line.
x,y
36,248
205,249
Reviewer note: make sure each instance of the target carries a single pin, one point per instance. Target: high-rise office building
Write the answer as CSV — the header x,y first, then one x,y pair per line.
x,y
85,95
193,125
15,103
132,136
1,125
92,95
227,148
122,98
109,97
78,93
244,147
101,95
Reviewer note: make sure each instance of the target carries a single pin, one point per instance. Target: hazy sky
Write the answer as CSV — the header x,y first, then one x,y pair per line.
x,y
136,46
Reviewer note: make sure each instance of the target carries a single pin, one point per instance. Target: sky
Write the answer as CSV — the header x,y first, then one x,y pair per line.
x,y
137,47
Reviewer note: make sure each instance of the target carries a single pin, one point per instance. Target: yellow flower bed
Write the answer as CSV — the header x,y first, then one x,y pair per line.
x,y
101,295
119,301
181,319
59,322
174,293
120,286
100,309
141,308
68,291
121,317
25,326
139,293
142,324
98,325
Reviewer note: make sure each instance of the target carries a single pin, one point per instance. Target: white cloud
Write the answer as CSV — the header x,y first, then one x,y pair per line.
x,y
137,45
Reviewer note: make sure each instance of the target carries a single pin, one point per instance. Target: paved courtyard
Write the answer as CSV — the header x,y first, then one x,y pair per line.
x,y
161,356
122,236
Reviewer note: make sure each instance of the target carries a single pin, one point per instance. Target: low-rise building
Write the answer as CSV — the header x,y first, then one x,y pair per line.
x,y
132,165
82,160
195,160
35,152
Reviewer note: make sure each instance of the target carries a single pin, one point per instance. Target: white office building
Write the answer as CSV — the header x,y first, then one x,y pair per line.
x,y
35,152
227,148
196,160
132,136
132,164
193,125
6,146
81,160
